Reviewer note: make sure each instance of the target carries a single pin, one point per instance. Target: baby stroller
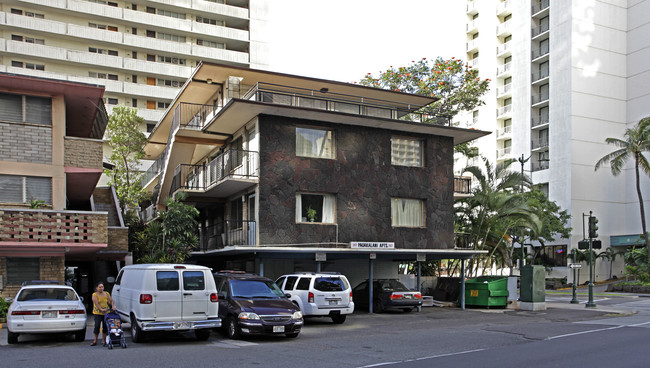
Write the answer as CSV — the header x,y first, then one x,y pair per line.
x,y
114,335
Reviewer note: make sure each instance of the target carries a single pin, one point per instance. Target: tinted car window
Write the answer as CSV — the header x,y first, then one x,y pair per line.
x,y
280,281
119,278
303,284
46,294
329,284
392,285
254,289
193,280
291,282
167,280
362,286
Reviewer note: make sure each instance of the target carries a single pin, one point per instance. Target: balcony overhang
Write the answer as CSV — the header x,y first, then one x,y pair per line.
x,y
80,183
51,249
238,112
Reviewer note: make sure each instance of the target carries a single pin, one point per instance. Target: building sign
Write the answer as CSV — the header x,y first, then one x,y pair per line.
x,y
373,245
321,257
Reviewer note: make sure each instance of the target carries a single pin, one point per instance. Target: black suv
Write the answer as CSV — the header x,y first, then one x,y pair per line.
x,y
251,304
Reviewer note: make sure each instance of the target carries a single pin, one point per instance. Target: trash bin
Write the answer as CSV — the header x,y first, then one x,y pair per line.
x,y
487,291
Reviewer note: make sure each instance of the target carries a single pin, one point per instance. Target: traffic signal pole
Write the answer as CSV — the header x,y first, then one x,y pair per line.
x,y
592,234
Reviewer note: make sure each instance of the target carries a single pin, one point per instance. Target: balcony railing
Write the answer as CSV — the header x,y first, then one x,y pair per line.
x,y
503,27
504,90
463,240
504,68
235,164
539,165
541,5
539,74
504,131
52,226
462,185
504,110
153,170
539,120
540,29
539,98
503,48
227,233
539,143
503,7
542,51
502,152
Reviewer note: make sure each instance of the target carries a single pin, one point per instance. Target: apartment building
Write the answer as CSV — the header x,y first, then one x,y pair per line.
x,y
54,223
141,51
298,174
567,75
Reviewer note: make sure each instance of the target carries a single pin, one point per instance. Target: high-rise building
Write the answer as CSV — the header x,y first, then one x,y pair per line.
x,y
565,75
141,51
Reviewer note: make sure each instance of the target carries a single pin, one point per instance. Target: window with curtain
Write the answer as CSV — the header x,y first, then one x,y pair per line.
x,y
407,212
317,208
317,143
406,152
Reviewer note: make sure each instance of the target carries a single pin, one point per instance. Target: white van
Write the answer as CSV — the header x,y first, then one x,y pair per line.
x,y
167,297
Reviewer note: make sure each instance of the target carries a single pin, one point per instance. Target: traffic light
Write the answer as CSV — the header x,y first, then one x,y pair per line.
x,y
596,244
593,228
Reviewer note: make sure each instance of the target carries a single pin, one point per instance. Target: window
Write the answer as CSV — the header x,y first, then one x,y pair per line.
x,y
16,38
22,189
216,45
317,143
553,255
34,66
20,270
193,280
163,105
168,13
150,127
170,60
317,208
214,22
103,26
96,50
134,103
167,280
303,284
25,109
169,83
34,15
407,212
112,76
112,101
168,37
406,152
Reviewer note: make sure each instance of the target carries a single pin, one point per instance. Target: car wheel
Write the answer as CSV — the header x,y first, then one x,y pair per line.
x,y
136,333
12,337
292,335
377,307
80,335
407,310
232,329
202,334
339,319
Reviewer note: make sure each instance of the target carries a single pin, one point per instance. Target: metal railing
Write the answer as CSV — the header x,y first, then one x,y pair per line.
x,y
504,110
539,97
227,233
501,28
539,165
462,185
153,170
504,89
542,51
503,48
504,131
502,152
540,29
539,120
539,74
504,68
541,5
230,164
539,143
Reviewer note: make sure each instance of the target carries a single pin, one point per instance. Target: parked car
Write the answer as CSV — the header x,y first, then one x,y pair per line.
x,y
387,294
46,307
319,294
167,297
250,304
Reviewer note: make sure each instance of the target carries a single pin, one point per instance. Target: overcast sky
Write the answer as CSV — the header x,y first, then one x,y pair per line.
x,y
345,39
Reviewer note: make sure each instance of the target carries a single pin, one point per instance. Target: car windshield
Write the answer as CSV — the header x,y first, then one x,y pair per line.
x,y
38,294
330,284
392,285
255,289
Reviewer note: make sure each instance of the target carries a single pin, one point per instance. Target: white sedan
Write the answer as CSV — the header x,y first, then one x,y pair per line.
x,y
46,307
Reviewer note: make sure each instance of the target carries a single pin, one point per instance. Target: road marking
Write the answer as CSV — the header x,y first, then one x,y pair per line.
x,y
583,332
422,358
233,343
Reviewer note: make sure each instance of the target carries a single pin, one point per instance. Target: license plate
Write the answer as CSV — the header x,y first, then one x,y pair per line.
x,y
473,293
278,328
181,325
333,302
49,314
408,296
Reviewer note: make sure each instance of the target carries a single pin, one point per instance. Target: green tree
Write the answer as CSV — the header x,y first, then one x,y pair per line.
x,y
610,255
170,238
126,141
636,141
456,84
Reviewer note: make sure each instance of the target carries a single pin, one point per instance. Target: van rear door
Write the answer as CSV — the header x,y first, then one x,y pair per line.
x,y
168,300
195,295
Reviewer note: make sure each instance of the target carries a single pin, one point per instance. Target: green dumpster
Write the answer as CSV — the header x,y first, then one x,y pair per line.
x,y
487,291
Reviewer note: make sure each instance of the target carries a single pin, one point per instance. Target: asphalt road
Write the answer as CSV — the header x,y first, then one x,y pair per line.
x,y
613,334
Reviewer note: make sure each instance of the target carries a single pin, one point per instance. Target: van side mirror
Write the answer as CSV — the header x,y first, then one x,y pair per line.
x,y
110,280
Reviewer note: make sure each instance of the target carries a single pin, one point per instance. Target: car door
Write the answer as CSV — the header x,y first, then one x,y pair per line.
x,y
168,299
116,293
195,296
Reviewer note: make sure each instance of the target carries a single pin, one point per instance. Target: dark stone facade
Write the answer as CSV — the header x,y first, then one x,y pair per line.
x,y
363,180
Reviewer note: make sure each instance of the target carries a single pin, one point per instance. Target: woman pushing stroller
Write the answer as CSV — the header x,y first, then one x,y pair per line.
x,y
101,301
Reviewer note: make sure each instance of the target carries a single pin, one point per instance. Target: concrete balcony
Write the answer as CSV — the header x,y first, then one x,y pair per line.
x,y
83,153
151,92
471,26
221,55
504,69
504,111
474,63
504,132
505,90
540,52
539,143
155,21
34,50
504,29
472,45
150,67
93,59
94,34
149,43
94,9
539,98
210,7
540,6
472,8
539,121
34,24
503,153
503,49
503,8
219,31
34,228
540,30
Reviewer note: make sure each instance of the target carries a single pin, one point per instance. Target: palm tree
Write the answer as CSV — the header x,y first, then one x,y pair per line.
x,y
610,254
494,211
636,142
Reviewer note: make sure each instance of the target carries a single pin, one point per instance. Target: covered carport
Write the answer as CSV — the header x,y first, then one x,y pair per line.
x,y
321,254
